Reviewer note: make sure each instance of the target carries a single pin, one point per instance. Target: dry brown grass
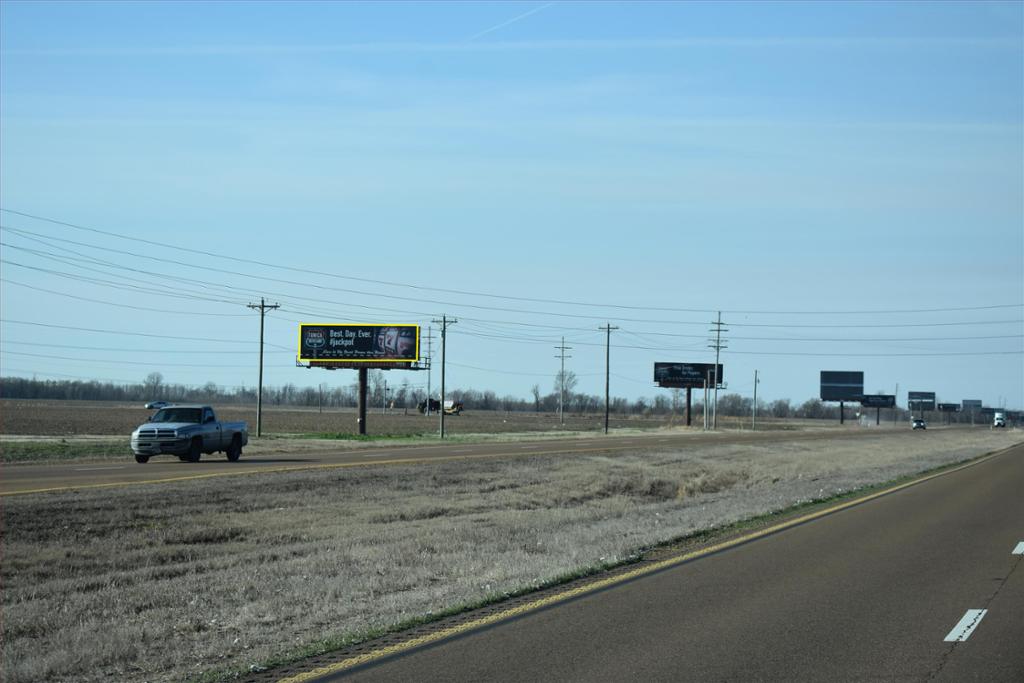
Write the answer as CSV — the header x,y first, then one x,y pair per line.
x,y
166,582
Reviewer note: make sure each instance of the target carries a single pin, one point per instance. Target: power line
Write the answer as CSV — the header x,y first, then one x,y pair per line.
x,y
148,309
882,355
130,362
505,297
422,313
10,321
5,342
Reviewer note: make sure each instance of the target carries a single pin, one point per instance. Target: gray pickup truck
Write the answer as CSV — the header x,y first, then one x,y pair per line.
x,y
188,431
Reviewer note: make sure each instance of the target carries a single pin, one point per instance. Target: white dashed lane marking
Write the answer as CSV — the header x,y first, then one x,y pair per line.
x,y
96,469
965,627
1019,550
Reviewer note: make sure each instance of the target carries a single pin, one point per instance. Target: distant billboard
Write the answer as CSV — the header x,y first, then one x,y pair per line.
x,y
970,404
949,407
878,401
841,385
359,343
687,375
921,400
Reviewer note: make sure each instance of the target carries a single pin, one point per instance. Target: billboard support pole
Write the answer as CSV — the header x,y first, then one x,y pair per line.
x,y
840,412
688,406
706,404
363,372
264,307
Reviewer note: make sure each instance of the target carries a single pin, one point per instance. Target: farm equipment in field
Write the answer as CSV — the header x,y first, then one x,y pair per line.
x,y
450,407
434,405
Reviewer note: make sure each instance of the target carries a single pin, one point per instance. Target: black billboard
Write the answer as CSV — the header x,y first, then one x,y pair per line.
x,y
970,404
841,385
359,343
687,375
949,407
921,400
878,401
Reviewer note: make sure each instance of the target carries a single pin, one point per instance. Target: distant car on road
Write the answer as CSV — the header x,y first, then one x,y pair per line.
x,y
918,423
157,405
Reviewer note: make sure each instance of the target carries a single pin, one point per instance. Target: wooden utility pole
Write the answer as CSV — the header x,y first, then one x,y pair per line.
x,y
263,307
717,344
753,423
607,371
561,379
445,321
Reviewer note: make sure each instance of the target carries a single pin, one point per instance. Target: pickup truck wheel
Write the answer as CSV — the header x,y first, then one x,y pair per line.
x,y
234,451
142,459
195,450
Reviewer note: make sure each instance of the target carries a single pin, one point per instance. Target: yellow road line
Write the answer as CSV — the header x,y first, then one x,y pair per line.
x,y
305,468
601,584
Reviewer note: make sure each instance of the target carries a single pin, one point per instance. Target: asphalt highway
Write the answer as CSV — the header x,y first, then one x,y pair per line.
x,y
42,478
925,583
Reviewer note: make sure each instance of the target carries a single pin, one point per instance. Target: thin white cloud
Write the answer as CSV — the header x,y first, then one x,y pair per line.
x,y
908,43
510,21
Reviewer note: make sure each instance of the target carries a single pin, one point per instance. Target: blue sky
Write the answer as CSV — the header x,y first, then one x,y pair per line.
x,y
789,164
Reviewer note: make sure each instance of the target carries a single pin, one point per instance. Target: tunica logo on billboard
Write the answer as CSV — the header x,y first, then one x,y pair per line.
x,y
315,338
359,343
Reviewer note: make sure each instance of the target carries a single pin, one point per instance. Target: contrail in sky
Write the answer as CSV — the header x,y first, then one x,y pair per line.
x,y
510,21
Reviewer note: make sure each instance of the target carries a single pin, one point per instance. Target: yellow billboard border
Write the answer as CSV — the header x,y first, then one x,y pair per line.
x,y
360,360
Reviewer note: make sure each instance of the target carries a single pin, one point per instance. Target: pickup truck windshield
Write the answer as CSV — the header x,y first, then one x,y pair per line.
x,y
178,415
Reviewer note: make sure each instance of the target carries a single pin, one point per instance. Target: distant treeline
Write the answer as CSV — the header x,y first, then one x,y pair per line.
x,y
403,396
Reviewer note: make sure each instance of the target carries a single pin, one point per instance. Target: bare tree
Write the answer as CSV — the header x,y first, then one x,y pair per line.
x,y
570,381
153,382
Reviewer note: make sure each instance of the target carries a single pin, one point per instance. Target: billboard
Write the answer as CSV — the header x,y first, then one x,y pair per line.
x,y
971,404
878,401
921,400
359,343
949,407
841,385
687,375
